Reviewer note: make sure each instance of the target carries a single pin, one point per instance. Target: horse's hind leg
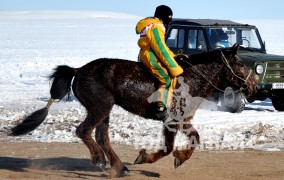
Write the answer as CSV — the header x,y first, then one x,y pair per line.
x,y
182,155
103,140
169,144
84,131
98,103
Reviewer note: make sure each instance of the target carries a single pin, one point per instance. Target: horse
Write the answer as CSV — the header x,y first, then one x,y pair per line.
x,y
102,83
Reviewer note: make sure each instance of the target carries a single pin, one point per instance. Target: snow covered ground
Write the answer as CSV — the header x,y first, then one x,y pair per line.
x,y
32,43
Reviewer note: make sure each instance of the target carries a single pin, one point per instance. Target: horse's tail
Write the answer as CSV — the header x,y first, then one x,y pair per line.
x,y
61,85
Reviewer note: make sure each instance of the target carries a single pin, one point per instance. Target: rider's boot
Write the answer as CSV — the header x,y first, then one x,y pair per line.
x,y
161,111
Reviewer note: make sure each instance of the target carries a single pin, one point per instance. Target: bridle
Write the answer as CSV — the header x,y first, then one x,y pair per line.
x,y
225,61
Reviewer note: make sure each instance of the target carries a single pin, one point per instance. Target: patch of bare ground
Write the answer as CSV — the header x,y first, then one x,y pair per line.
x,y
34,160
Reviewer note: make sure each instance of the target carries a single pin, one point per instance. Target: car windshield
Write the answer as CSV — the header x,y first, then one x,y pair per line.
x,y
222,37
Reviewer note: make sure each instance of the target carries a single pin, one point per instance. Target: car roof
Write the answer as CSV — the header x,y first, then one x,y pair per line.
x,y
206,22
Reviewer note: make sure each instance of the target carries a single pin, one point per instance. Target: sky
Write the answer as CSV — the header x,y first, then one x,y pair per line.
x,y
219,9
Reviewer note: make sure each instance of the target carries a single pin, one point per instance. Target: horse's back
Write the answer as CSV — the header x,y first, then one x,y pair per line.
x,y
128,82
115,68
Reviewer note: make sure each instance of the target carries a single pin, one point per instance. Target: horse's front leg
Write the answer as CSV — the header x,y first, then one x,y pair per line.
x,y
182,155
169,137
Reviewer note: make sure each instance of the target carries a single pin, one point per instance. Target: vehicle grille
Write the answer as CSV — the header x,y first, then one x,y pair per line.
x,y
274,72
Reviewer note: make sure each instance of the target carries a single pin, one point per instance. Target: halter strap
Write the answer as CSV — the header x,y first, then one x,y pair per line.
x,y
225,61
228,66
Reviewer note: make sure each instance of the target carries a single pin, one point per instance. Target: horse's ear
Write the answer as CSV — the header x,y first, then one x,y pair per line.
x,y
235,48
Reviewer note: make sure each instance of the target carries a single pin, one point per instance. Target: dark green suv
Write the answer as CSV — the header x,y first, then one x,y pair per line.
x,y
191,36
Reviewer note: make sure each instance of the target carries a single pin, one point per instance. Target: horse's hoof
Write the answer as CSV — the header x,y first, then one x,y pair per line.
x,y
102,166
177,162
141,158
123,172
118,172
96,160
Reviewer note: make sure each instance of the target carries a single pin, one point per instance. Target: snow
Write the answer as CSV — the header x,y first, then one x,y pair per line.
x,y
32,43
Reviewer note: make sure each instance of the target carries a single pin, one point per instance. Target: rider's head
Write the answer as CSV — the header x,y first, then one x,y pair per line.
x,y
164,13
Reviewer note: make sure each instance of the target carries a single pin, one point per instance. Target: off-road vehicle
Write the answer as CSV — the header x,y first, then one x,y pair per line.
x,y
191,36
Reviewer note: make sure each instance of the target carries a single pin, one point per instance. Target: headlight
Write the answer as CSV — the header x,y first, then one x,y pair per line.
x,y
259,69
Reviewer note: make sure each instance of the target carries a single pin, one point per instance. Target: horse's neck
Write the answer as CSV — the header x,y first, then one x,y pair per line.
x,y
204,78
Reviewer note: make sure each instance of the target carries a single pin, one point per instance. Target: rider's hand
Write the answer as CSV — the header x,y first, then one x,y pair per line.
x,y
181,57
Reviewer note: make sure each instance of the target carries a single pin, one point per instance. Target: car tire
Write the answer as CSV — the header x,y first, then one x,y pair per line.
x,y
278,103
232,101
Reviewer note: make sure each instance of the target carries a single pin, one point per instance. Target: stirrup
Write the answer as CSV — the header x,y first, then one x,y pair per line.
x,y
161,114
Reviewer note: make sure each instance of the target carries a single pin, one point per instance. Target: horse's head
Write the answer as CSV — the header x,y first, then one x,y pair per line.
x,y
238,75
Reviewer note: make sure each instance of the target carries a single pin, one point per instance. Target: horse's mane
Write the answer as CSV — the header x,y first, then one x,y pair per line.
x,y
201,58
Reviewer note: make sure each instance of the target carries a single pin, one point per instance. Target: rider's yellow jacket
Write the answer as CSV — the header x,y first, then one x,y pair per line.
x,y
154,48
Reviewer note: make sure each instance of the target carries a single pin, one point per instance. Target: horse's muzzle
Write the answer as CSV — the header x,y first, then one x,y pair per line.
x,y
249,92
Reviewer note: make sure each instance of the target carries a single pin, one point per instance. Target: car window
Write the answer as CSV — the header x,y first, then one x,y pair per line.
x,y
176,38
222,37
249,38
196,39
192,39
218,38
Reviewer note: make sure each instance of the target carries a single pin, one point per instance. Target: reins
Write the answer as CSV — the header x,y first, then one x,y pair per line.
x,y
225,61
229,67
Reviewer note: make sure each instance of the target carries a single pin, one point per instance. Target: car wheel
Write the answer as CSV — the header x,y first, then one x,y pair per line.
x,y
278,103
232,101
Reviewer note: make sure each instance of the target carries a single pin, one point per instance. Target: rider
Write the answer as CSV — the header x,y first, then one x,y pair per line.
x,y
156,55
218,38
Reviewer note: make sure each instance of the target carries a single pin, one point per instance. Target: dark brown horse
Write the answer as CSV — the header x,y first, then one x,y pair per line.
x,y
102,83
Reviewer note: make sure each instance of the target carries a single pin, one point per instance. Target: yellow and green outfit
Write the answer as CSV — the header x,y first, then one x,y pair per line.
x,y
156,55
